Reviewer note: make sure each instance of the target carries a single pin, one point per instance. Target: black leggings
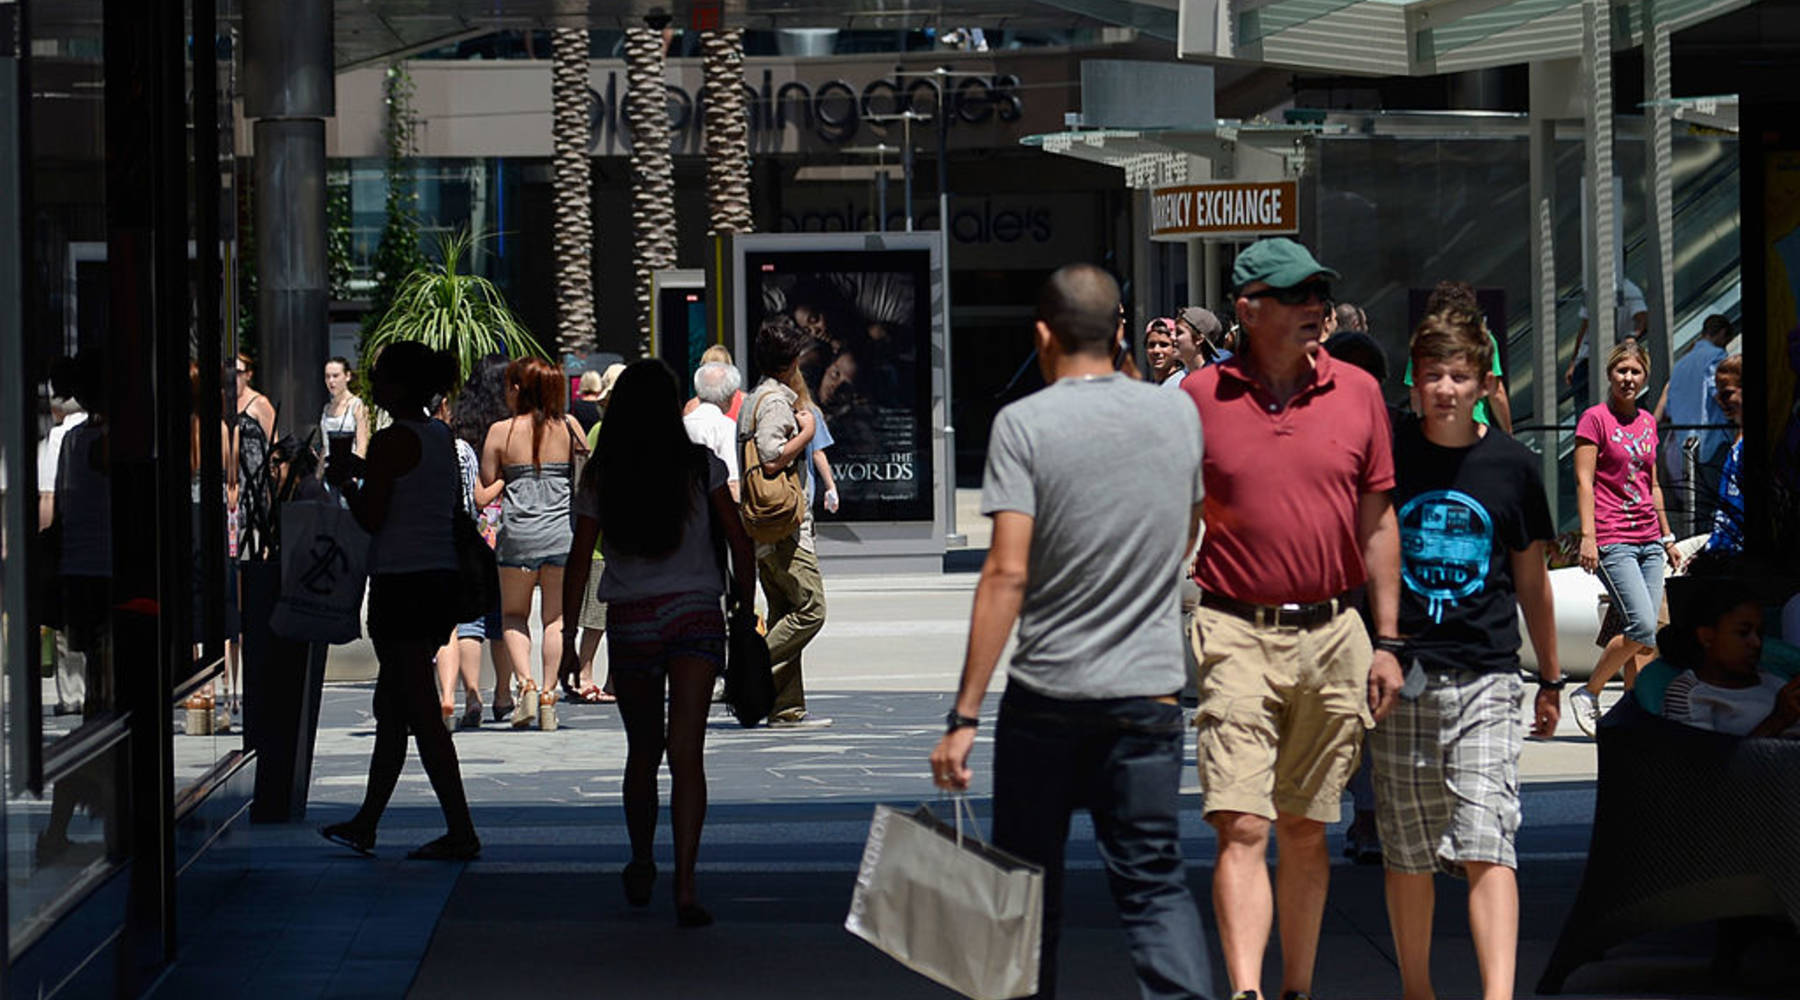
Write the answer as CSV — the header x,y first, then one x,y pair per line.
x,y
406,698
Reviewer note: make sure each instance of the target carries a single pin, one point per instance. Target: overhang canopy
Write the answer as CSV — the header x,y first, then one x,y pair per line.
x,y
1416,37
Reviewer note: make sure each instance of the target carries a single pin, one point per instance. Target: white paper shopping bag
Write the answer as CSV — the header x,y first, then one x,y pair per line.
x,y
949,906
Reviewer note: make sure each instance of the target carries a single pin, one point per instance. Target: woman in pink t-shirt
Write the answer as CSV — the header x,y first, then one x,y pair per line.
x,y
1625,533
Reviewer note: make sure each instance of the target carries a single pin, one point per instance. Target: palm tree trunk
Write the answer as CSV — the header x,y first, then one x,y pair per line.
x,y
652,168
574,236
727,133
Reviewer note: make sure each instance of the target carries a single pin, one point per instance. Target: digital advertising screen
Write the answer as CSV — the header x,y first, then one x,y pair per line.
x,y
868,317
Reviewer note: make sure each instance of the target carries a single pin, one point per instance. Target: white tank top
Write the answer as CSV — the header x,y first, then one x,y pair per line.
x,y
416,535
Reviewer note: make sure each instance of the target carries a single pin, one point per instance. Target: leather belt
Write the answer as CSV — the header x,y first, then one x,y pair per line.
x,y
1277,615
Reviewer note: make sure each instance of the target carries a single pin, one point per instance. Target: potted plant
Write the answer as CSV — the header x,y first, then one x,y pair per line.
x,y
450,309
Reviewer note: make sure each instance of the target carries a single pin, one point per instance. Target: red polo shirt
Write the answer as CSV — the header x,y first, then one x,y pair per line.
x,y
1283,483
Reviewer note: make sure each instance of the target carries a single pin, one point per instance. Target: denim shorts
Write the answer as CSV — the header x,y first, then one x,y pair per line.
x,y
1632,573
486,627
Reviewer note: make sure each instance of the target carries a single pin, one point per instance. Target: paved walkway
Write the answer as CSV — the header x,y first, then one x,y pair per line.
x,y
272,911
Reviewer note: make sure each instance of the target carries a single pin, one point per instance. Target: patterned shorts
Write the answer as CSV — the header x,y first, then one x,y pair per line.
x,y
643,636
1447,773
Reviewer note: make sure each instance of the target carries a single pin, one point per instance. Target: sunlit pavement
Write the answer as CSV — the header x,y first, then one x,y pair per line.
x,y
540,914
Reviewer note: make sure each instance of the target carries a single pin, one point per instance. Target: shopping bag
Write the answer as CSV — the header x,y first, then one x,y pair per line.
x,y
749,676
943,903
324,568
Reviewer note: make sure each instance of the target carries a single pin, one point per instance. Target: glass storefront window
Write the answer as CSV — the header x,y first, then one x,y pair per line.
x,y
65,814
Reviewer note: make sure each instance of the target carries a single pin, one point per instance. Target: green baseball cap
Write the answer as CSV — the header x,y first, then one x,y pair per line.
x,y
1279,261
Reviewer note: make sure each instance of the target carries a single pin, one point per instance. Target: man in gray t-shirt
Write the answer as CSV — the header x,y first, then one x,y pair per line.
x,y
1094,485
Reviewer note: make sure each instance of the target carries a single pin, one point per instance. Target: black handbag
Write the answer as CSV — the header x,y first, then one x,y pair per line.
x,y
478,588
749,676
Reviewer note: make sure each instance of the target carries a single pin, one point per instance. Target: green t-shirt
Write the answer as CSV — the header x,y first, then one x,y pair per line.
x,y
593,441
1481,405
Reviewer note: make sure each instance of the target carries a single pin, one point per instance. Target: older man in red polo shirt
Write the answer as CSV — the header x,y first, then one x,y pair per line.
x,y
1298,465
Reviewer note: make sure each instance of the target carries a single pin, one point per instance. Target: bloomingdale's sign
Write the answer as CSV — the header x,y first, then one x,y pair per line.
x,y
831,112
1225,208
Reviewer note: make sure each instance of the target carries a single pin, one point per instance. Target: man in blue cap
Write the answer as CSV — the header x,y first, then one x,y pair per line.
x,y
1298,465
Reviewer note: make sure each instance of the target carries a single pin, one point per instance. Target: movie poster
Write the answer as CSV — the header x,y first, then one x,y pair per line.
x,y
868,316
1781,366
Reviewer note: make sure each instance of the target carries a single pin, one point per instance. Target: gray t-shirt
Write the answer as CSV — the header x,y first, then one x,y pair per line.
x,y
1109,469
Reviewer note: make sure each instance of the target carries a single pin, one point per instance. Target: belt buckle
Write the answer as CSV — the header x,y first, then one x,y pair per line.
x,y
1292,609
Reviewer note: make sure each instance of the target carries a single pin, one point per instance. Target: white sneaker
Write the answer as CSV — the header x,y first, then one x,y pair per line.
x,y
1585,706
800,721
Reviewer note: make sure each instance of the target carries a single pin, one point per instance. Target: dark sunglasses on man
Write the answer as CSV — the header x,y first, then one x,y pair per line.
x,y
1318,291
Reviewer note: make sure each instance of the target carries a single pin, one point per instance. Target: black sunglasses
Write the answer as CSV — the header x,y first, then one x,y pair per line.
x,y
1296,295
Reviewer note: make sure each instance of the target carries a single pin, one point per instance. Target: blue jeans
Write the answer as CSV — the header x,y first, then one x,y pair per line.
x,y
1121,760
1632,573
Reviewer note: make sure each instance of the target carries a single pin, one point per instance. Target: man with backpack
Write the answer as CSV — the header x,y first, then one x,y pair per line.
x,y
773,429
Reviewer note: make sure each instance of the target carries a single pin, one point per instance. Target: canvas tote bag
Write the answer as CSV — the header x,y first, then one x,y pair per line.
x,y
948,906
324,570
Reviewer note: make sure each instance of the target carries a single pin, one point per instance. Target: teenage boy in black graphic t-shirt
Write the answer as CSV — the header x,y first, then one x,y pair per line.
x,y
1473,522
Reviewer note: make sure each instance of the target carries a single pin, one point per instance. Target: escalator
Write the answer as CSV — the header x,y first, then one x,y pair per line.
x,y
1707,281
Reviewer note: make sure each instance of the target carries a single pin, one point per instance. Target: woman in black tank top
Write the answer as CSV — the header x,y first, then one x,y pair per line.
x,y
412,587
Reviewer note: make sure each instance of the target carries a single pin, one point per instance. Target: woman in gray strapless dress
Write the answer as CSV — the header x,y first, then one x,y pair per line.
x,y
533,453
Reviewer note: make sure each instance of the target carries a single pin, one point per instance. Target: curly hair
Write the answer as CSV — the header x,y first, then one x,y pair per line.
x,y
482,402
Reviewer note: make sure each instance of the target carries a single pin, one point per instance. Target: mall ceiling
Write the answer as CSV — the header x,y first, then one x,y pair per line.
x,y
373,30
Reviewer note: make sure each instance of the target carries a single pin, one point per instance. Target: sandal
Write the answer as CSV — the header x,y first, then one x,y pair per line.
x,y
527,714
594,694
471,719
352,836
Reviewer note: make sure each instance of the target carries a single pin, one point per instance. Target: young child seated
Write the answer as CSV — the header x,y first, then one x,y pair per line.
x,y
1724,687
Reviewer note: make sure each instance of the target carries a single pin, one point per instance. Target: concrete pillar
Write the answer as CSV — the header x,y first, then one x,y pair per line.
x,y
1600,284
288,94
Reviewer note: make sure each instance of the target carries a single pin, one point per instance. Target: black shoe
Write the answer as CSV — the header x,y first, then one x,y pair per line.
x,y
1246,995
693,915
352,836
639,878
1296,995
503,712
449,847
471,719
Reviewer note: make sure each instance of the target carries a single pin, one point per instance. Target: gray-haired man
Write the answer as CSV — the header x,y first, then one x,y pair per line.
x,y
714,384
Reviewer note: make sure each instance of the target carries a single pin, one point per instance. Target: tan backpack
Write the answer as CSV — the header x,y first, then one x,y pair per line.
x,y
772,505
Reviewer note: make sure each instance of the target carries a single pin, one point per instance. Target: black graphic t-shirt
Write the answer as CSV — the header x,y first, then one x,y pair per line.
x,y
1463,512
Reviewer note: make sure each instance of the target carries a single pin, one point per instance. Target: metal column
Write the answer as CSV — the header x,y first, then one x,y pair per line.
x,y
1210,283
1547,370
289,92
1659,188
1601,283
1196,273
952,537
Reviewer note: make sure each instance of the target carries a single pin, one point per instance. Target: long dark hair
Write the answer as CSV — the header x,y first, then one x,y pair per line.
x,y
643,464
482,402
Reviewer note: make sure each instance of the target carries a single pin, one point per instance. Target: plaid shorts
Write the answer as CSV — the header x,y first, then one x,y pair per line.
x,y
1447,773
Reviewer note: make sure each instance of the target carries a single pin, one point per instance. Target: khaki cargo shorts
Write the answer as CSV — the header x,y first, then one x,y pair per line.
x,y
1282,713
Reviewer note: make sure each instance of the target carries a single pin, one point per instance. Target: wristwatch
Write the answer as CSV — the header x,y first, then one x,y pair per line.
x,y
1390,644
955,720
1555,685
